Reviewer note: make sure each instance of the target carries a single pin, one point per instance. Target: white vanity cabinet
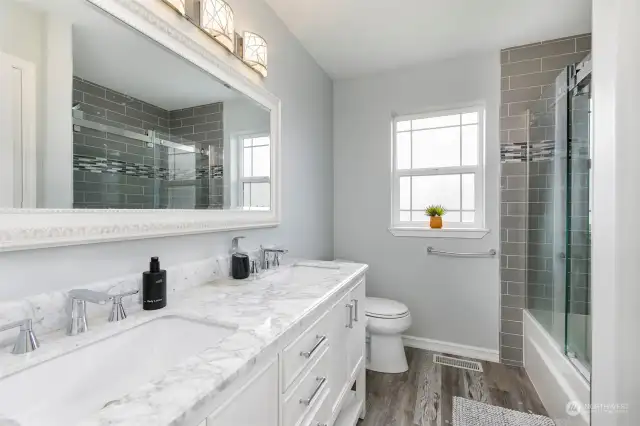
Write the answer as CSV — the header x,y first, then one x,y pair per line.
x,y
310,382
254,404
357,330
347,335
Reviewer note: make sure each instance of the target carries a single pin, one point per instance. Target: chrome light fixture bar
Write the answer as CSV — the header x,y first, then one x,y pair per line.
x,y
255,52
216,18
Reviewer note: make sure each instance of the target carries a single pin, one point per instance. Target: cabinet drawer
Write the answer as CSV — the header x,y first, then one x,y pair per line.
x,y
304,350
322,415
310,391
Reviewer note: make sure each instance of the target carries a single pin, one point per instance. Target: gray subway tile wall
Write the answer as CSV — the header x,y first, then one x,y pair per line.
x,y
203,126
142,173
527,84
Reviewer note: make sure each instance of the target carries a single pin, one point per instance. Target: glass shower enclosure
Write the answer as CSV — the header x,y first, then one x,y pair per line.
x,y
559,215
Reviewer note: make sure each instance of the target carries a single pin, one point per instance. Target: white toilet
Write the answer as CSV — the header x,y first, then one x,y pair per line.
x,y
386,321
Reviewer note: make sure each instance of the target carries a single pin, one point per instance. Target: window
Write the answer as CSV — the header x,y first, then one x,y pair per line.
x,y
438,159
255,172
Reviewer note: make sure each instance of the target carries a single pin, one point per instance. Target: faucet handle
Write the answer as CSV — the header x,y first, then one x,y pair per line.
x,y
117,310
117,298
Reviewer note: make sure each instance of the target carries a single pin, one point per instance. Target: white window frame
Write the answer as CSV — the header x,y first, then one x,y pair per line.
x,y
474,229
241,178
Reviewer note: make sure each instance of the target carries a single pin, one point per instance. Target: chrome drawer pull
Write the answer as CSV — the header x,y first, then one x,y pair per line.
x,y
320,341
313,396
355,303
350,306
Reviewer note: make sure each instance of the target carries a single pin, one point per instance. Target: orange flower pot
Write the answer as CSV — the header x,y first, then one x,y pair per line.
x,y
435,222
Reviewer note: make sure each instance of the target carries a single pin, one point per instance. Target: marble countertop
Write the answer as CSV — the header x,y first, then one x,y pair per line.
x,y
263,313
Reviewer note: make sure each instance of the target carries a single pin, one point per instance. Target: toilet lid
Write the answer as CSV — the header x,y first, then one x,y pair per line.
x,y
385,308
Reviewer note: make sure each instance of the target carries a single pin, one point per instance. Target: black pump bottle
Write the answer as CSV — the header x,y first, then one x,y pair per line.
x,y
154,287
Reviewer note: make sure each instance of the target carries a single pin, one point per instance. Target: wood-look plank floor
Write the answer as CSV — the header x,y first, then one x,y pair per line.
x,y
423,396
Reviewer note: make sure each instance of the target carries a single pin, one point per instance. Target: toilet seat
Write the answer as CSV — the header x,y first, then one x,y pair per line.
x,y
376,307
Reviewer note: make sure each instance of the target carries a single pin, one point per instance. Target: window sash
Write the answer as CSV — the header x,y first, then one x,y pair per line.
x,y
242,180
477,171
255,179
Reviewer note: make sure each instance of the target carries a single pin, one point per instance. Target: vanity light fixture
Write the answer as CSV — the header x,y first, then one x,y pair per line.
x,y
178,5
255,52
216,18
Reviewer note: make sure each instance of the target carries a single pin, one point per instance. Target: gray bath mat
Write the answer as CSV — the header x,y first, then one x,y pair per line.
x,y
471,413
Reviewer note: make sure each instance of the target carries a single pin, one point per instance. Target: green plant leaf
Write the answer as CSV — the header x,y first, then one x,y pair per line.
x,y
435,210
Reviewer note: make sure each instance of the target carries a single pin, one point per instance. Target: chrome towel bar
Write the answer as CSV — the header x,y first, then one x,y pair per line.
x,y
490,253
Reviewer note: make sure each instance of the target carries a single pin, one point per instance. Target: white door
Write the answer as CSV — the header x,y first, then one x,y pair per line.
x,y
338,353
17,132
357,330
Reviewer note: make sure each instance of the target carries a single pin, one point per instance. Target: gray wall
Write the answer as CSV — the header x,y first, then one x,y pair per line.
x,y
451,300
307,184
528,74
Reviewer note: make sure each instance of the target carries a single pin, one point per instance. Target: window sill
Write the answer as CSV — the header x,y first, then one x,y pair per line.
x,y
423,232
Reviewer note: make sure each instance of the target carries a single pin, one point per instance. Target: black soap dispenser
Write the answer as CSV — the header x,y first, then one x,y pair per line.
x,y
240,265
154,287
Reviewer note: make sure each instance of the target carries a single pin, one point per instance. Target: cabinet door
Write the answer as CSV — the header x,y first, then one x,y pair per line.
x,y
338,352
357,330
255,404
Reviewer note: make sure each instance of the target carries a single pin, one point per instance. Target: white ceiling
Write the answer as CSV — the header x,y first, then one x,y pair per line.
x,y
354,37
113,55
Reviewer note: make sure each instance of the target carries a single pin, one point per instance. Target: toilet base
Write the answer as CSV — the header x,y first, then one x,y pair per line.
x,y
386,354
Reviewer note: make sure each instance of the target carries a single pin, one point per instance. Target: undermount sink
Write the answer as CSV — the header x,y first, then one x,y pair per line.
x,y
68,388
304,273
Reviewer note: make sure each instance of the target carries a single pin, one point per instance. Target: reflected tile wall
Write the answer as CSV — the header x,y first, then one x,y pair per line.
x,y
112,171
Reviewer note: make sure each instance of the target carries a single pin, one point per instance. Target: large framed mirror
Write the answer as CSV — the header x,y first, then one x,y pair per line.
x,y
121,119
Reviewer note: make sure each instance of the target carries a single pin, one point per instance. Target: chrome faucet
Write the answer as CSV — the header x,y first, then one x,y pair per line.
x,y
265,263
78,315
26,341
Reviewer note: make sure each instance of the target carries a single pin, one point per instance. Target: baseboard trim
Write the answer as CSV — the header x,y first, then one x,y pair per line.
x,y
474,352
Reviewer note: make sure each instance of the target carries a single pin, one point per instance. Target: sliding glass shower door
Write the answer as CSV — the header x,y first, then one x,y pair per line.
x,y
578,241
559,215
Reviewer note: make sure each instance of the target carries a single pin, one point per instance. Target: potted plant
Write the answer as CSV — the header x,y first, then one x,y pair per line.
x,y
435,212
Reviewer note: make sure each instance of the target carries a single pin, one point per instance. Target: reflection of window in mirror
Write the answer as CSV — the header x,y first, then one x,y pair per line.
x,y
254,184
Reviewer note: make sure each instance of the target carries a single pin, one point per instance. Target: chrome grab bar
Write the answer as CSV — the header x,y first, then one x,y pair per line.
x,y
490,253
321,340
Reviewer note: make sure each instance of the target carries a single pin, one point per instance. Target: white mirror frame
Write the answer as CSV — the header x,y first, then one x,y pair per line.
x,y
22,229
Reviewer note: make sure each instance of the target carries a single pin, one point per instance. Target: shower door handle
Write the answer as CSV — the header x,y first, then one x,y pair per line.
x,y
562,255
